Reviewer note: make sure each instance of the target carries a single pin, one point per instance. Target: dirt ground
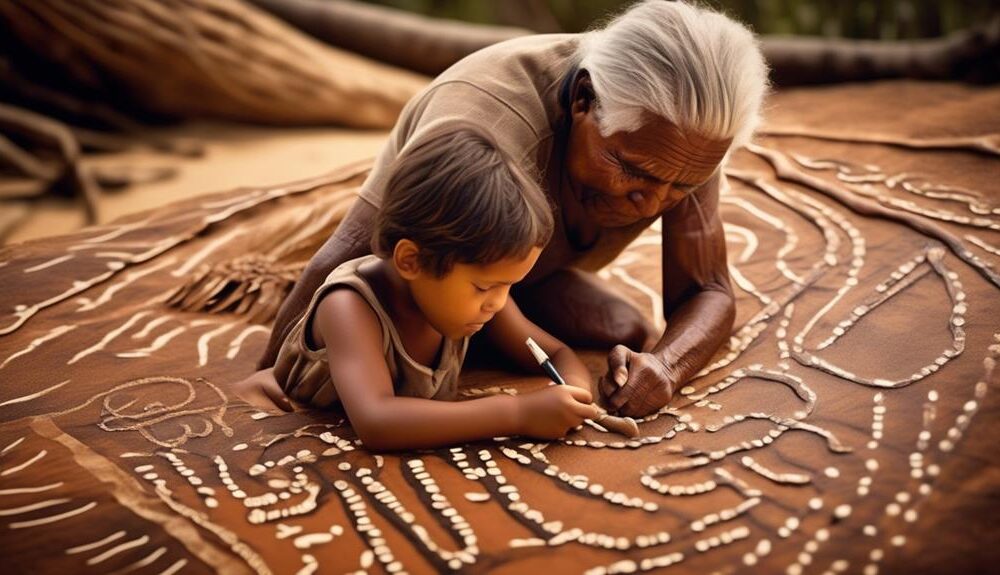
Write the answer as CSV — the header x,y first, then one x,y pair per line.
x,y
235,156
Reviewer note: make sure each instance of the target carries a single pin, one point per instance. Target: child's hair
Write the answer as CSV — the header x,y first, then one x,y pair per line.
x,y
456,195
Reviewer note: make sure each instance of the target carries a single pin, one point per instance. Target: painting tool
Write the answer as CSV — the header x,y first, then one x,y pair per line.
x,y
543,360
623,425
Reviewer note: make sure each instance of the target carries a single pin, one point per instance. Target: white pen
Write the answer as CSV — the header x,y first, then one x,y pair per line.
x,y
543,360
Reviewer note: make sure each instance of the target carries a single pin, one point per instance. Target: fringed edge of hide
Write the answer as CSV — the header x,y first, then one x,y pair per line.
x,y
252,285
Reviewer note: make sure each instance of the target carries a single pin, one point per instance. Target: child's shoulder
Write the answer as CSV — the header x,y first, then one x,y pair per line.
x,y
352,285
350,268
342,298
343,314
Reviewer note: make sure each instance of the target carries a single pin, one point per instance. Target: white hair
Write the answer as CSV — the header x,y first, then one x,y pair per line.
x,y
689,65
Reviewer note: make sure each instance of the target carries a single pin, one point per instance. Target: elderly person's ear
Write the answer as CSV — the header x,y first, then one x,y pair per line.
x,y
583,96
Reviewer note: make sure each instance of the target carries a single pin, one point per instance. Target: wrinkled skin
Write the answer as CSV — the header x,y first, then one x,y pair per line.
x,y
629,178
600,183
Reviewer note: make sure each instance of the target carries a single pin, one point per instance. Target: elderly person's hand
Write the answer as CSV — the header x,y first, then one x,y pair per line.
x,y
647,110
636,383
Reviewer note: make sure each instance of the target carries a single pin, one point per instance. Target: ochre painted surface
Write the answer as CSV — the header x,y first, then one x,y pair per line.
x,y
848,427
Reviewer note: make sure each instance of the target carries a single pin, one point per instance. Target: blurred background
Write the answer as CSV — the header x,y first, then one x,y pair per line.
x,y
859,19
111,107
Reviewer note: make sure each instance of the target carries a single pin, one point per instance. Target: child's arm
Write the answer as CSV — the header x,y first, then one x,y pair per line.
x,y
509,329
347,326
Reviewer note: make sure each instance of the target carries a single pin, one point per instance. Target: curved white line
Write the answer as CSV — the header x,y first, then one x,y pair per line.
x,y
12,445
53,333
118,549
107,338
32,507
35,395
39,489
17,468
53,518
207,337
237,343
48,264
81,548
174,568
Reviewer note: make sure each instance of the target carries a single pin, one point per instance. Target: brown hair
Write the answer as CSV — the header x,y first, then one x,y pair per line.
x,y
459,198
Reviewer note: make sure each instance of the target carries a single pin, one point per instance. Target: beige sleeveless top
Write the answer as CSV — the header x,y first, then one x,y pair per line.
x,y
303,371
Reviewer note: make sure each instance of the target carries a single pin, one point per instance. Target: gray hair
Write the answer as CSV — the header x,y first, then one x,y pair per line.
x,y
689,65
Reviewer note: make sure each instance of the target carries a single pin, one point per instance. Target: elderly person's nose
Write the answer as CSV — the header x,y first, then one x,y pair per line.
x,y
647,204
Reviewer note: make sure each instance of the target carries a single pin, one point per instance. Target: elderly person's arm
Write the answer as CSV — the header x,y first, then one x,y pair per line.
x,y
351,240
698,304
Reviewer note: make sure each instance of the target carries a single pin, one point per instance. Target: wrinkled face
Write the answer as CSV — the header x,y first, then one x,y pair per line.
x,y
631,176
460,303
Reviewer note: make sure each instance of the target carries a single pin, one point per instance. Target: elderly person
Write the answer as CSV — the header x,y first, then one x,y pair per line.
x,y
621,126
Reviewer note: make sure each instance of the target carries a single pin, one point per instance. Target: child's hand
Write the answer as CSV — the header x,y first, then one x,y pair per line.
x,y
551,412
262,391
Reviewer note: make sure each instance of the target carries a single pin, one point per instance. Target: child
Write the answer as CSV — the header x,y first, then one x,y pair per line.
x,y
386,334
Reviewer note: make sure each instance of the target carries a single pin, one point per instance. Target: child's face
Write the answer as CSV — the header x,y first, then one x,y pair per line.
x,y
459,303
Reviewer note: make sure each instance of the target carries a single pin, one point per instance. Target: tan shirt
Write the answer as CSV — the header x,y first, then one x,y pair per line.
x,y
510,90
304,373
